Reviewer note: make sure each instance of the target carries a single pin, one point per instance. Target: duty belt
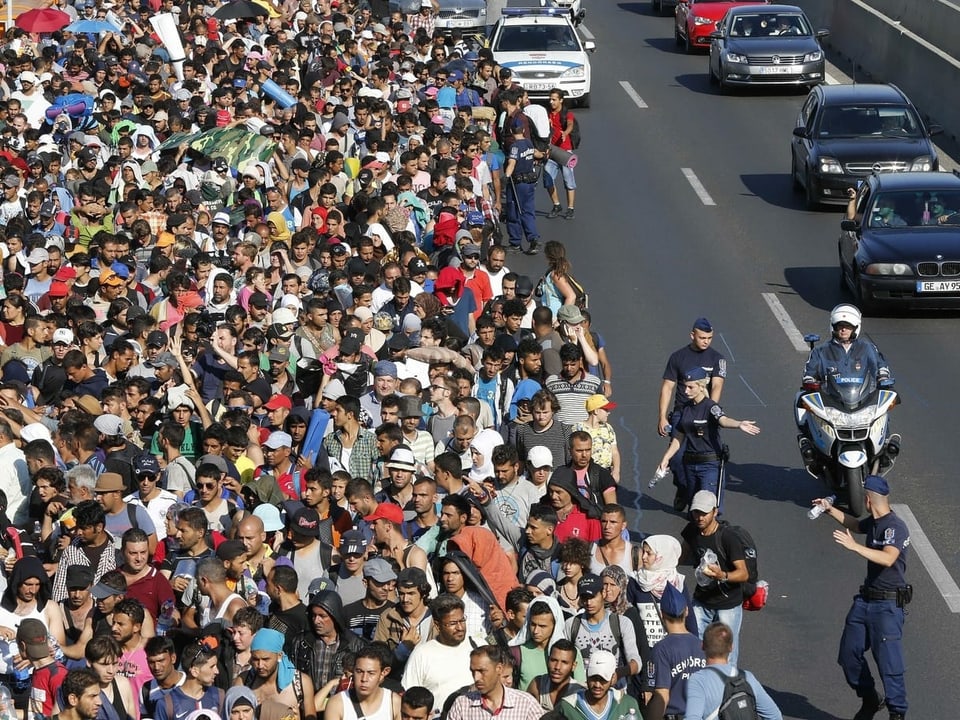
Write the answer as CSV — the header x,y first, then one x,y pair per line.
x,y
871,595
690,458
673,717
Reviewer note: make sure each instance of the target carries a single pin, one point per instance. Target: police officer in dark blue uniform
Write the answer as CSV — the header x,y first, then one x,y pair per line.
x,y
698,353
675,657
697,431
876,619
521,191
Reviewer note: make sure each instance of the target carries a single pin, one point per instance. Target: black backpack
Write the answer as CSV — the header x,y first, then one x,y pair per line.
x,y
739,701
575,132
749,554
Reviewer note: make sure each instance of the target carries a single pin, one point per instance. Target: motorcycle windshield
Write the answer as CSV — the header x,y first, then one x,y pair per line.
x,y
851,390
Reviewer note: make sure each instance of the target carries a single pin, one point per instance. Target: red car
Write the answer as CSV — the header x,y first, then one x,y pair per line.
x,y
694,20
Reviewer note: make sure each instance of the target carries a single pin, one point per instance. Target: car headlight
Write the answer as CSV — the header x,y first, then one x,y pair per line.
x,y
736,58
921,164
816,56
901,269
483,12
830,166
574,72
697,20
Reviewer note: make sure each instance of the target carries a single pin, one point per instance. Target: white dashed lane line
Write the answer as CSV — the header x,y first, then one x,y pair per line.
x,y
697,186
786,322
585,31
633,95
921,545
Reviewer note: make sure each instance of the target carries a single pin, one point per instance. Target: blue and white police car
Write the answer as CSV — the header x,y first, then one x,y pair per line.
x,y
544,51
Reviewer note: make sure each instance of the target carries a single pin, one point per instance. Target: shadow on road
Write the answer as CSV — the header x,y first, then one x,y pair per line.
x,y
699,83
773,482
797,706
663,44
774,189
818,286
638,8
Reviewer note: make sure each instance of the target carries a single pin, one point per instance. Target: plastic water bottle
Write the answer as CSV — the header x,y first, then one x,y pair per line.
x,y
657,477
7,710
21,678
926,214
165,621
709,558
816,511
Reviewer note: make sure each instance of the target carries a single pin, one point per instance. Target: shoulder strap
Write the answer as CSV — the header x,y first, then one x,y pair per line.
x,y
132,515
355,701
617,634
635,556
575,628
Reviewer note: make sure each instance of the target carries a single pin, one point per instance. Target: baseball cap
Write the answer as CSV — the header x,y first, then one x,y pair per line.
x,y
411,577
109,424
146,464
378,570
101,591
386,511
595,402
65,273
37,256
540,456
349,345
416,266
11,181
156,338
33,634
351,543
48,209
278,439
109,277
306,521
333,390
167,359
58,289
704,501
279,354
589,585
278,401
79,576
602,663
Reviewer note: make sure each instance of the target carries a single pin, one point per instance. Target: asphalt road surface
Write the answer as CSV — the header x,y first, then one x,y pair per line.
x,y
684,209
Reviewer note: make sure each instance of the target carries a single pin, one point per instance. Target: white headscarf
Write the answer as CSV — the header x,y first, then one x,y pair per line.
x,y
484,443
664,570
558,626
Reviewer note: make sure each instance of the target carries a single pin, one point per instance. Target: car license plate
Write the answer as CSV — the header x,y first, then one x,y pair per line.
x,y
939,286
775,70
538,87
460,23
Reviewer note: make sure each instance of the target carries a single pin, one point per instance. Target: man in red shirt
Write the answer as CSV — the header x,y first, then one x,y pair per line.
x,y
48,674
561,125
576,514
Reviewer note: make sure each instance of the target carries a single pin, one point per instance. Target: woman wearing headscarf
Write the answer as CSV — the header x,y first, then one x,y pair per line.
x,y
659,556
481,453
531,647
615,583
240,703
130,176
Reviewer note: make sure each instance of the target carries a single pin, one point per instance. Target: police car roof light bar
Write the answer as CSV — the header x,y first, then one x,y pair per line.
x,y
548,11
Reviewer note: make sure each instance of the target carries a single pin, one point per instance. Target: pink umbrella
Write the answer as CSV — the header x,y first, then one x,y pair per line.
x,y
42,20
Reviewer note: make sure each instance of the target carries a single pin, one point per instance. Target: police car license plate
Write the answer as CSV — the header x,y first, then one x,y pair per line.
x,y
539,86
941,286
775,70
460,23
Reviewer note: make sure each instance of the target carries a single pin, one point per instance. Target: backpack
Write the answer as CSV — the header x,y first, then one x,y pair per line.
x,y
583,300
614,628
575,132
749,554
739,701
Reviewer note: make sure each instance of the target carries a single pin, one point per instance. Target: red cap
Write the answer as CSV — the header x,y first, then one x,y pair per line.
x,y
58,290
279,401
386,511
65,273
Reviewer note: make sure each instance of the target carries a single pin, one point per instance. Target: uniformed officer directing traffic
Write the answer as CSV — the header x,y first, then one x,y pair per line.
x,y
876,619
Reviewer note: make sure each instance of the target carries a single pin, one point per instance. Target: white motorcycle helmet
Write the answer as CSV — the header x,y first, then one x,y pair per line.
x,y
848,314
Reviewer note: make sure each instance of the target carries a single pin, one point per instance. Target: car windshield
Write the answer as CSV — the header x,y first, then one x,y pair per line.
x,y
915,209
855,121
770,25
537,38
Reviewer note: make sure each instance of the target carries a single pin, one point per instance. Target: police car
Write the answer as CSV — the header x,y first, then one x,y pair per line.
x,y
542,48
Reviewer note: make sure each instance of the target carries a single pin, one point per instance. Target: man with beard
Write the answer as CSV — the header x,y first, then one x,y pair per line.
x,y
28,595
221,295
368,697
380,582
162,662
272,677
78,606
119,361
81,694
110,490
321,651
128,616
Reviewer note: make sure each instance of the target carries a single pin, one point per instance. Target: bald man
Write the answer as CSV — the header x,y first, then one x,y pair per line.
x,y
260,559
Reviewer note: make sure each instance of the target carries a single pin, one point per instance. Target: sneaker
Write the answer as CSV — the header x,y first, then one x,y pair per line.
x,y
569,215
514,248
555,211
533,248
871,706
680,501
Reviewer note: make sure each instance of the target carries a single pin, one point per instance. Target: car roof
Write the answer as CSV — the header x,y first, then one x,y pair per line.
x,y
769,9
535,20
862,92
917,181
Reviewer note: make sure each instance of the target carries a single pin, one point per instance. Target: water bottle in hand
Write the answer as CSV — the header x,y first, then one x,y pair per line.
x,y
657,477
818,510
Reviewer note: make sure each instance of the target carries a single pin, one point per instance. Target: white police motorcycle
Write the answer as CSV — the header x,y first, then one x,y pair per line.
x,y
845,431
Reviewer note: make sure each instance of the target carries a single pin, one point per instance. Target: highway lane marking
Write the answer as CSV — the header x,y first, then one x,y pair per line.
x,y
727,346
697,186
633,94
585,31
786,322
754,392
928,556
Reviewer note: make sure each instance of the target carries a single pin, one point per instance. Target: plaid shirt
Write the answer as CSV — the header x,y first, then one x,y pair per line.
x,y
157,219
418,21
516,705
74,555
363,455
483,205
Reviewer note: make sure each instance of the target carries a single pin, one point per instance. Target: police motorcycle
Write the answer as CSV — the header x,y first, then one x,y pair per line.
x,y
844,427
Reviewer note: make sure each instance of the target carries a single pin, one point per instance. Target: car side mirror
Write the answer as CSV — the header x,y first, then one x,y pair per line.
x,y
849,225
800,132
589,45
821,34
716,36
935,130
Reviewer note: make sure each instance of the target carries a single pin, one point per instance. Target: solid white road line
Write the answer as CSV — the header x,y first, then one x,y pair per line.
x,y
697,186
628,89
928,556
585,31
786,322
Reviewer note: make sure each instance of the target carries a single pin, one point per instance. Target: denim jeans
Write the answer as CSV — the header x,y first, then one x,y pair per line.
x,y
731,618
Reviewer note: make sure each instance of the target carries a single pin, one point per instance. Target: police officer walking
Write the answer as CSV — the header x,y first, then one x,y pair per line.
x,y
876,619
521,191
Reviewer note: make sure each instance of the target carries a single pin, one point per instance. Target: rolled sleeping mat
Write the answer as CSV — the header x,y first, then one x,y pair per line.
x,y
278,94
75,109
562,157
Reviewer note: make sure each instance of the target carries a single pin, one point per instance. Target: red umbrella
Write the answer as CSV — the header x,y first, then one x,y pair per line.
x,y
42,20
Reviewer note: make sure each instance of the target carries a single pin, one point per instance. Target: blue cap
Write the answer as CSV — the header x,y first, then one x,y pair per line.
x,y
475,218
120,269
702,324
694,374
146,464
385,368
672,602
876,484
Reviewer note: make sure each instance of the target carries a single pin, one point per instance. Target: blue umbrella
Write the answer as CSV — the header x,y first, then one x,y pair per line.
x,y
92,26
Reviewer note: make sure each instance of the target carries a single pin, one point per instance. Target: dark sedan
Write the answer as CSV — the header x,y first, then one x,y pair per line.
x,y
902,248
846,132
766,45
